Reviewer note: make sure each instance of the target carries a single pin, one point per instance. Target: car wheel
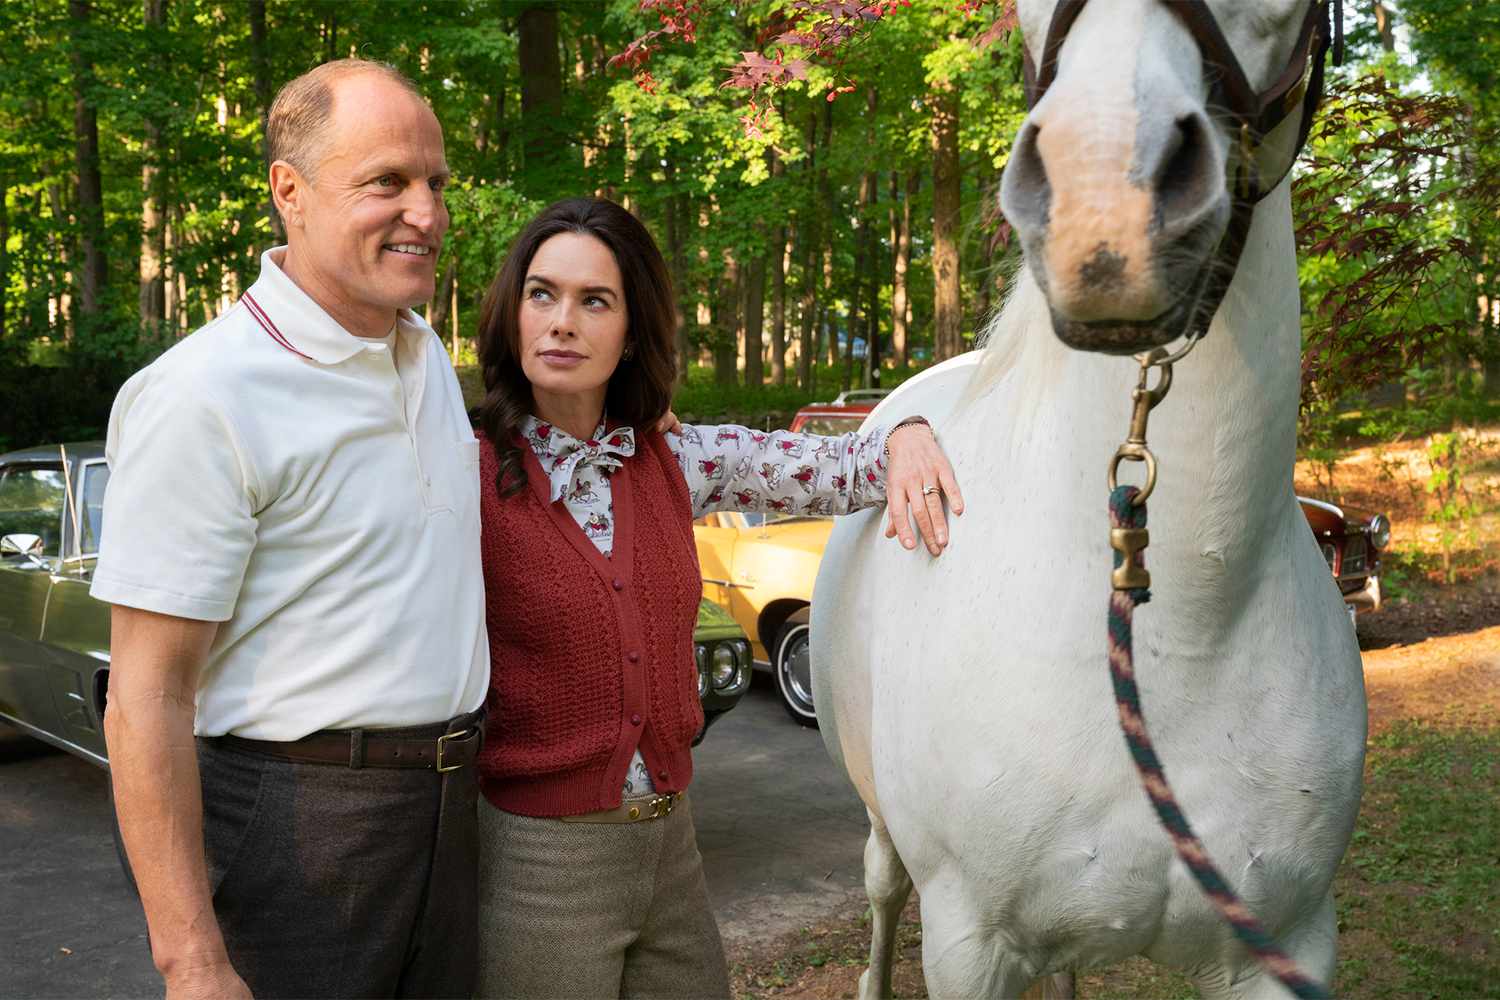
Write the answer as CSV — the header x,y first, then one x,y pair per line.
x,y
793,670
114,828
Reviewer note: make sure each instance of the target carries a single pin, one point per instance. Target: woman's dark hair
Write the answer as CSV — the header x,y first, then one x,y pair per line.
x,y
640,390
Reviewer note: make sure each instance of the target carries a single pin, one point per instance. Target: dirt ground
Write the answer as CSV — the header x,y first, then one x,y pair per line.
x,y
1435,659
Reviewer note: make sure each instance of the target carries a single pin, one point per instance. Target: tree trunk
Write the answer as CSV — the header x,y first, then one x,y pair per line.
x,y
330,34
863,265
782,264
754,324
946,182
502,141
826,210
260,72
705,289
541,93
672,218
442,299
831,334
60,293
92,275
1384,28
900,263
726,324
865,280
808,233
453,319
153,291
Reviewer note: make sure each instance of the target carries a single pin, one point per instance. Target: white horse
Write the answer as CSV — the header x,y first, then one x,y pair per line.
x,y
967,696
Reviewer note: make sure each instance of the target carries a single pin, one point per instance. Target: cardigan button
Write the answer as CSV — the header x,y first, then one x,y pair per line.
x,y
618,584
635,720
663,775
633,657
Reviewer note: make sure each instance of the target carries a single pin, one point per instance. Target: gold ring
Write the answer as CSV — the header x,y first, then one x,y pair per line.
x,y
929,489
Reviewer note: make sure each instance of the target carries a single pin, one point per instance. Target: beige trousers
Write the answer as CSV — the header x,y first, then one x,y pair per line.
x,y
595,910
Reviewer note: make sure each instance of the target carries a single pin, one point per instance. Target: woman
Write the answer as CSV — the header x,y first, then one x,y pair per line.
x,y
591,881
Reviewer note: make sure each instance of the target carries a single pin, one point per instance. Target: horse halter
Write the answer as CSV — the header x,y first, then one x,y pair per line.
x,y
1299,87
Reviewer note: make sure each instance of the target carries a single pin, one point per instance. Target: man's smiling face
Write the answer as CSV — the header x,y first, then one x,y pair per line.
x,y
371,219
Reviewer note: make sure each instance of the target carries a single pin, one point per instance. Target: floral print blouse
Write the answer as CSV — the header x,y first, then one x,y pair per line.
x,y
726,467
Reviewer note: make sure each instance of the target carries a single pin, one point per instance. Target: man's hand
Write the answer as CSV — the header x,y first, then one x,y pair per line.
x,y
148,728
207,982
917,477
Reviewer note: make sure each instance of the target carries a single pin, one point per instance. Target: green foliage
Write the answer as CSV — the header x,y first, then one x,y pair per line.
x,y
1437,407
1395,186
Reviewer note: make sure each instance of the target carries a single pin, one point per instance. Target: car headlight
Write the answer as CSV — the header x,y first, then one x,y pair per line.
x,y
702,683
1330,553
742,653
700,656
725,666
1380,531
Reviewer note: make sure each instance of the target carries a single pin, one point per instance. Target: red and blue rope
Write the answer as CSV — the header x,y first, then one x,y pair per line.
x,y
1125,513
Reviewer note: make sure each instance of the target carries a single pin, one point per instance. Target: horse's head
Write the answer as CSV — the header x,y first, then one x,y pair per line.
x,y
1119,183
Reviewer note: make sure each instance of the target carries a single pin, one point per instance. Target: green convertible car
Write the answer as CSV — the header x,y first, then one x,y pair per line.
x,y
54,637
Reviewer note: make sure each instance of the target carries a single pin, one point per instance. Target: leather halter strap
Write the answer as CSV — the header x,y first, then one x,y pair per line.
x,y
1299,87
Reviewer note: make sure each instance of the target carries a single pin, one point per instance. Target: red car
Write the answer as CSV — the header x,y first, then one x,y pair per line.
x,y
1351,541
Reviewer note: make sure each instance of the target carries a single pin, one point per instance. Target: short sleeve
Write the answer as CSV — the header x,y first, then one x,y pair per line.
x,y
179,525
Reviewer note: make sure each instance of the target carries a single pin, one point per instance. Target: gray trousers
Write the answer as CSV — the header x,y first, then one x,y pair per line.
x,y
330,881
586,910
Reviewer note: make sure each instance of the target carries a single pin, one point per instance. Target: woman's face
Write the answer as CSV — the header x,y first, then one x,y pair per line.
x,y
573,318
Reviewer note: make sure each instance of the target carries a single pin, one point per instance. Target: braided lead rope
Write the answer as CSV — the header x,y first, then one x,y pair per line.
x,y
1125,513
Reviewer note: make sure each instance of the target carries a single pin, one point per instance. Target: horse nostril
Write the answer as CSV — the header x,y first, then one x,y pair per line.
x,y
1024,191
1186,180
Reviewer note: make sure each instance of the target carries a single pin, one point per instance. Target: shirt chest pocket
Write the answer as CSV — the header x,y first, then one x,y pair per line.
x,y
454,482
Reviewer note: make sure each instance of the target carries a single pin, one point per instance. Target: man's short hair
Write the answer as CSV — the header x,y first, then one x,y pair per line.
x,y
297,126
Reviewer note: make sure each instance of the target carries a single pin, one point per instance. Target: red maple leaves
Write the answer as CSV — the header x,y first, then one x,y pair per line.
x,y
822,31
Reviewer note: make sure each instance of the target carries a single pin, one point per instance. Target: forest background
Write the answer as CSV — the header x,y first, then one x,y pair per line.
x,y
821,175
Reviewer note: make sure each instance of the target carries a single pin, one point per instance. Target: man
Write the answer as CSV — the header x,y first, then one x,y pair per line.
x,y
291,548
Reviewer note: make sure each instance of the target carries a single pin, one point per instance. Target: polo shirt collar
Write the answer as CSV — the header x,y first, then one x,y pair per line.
x,y
290,317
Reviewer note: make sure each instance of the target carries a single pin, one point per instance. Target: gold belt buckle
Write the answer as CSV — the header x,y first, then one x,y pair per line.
x,y
662,806
461,734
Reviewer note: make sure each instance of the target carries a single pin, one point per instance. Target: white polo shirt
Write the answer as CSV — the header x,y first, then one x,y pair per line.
x,y
320,499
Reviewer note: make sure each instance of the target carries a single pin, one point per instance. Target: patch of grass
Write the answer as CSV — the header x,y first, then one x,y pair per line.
x,y
1418,914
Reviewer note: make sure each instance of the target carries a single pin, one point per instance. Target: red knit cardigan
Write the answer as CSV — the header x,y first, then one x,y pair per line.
x,y
589,657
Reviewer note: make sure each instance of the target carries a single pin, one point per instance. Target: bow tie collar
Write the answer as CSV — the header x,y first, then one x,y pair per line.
x,y
561,454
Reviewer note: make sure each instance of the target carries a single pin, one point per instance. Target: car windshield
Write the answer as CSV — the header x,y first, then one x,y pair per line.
x,y
832,424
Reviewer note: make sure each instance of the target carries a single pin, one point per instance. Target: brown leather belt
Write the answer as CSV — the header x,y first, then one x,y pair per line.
x,y
442,746
631,811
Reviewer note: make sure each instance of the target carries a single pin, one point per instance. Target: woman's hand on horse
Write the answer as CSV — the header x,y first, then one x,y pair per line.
x,y
917,477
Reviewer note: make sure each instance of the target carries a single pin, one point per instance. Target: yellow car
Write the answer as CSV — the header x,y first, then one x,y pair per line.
x,y
761,568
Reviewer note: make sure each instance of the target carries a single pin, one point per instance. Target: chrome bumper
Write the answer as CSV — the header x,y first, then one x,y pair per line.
x,y
1367,598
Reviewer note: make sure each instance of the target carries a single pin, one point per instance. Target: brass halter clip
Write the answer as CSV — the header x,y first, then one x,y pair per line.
x,y
1146,398
1130,575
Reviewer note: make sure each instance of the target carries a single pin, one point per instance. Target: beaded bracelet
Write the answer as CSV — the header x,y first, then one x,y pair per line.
x,y
905,423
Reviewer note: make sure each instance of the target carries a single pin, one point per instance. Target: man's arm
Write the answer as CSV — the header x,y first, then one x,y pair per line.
x,y
148,728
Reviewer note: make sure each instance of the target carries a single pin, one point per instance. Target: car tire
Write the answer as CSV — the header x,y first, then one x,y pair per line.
x,y
792,667
114,829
